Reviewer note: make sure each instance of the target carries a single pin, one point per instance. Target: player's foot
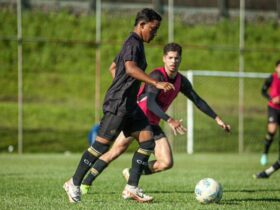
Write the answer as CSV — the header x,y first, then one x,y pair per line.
x,y
84,189
261,175
264,159
73,191
126,174
136,194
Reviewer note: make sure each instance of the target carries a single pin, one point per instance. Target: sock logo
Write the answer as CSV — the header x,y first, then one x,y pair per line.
x,y
140,162
87,162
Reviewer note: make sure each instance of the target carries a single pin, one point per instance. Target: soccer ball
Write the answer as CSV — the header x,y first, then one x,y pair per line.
x,y
208,190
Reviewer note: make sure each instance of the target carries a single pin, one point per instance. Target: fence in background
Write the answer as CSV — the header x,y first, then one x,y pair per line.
x,y
170,7
226,75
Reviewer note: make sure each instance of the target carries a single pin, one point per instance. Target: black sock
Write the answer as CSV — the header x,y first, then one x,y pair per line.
x,y
137,167
267,142
139,161
83,167
88,158
96,169
147,170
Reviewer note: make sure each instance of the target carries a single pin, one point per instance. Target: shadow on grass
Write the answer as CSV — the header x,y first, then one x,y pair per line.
x,y
169,191
237,201
148,191
189,191
254,190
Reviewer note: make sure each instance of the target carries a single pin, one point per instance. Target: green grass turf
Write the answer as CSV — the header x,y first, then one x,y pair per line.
x,y
35,182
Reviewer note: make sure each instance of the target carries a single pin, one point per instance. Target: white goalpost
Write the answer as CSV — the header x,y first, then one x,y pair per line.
x,y
191,74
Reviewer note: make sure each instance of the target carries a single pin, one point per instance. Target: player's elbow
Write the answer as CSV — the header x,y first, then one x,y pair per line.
x,y
129,72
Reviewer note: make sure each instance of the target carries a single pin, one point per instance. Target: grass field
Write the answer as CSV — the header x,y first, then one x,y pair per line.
x,y
35,182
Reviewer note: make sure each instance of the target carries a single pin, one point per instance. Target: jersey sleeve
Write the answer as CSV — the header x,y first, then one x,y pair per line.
x,y
158,77
154,107
131,53
266,86
188,91
152,93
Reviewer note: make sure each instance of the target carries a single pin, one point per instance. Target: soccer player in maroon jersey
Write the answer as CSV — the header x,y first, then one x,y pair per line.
x,y
154,103
271,91
121,112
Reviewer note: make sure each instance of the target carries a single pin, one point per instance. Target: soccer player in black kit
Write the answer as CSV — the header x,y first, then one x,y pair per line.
x,y
154,103
121,112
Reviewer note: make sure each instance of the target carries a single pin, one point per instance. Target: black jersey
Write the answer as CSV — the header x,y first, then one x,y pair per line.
x,y
122,95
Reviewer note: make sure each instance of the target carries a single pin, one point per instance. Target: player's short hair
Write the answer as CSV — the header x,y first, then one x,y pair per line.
x,y
147,15
172,47
277,63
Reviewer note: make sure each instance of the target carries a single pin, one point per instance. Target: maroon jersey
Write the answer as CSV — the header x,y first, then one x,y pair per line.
x,y
274,90
164,99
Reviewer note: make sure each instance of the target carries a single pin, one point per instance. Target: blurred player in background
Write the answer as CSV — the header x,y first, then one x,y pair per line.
x,y
266,173
154,104
271,91
121,112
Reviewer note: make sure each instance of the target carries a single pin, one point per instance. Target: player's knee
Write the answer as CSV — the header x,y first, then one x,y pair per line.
x,y
147,146
98,148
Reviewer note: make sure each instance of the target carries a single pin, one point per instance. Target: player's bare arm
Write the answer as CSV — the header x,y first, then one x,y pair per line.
x,y
134,71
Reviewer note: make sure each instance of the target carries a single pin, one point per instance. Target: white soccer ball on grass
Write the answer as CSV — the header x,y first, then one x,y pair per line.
x,y
208,190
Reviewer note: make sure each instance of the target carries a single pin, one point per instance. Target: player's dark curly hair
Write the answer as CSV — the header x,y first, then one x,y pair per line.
x,y
277,63
147,15
172,47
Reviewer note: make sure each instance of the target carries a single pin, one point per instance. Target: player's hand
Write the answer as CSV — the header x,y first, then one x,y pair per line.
x,y
166,86
176,126
276,100
224,126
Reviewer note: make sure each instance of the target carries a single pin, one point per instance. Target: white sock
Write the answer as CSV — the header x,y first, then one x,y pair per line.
x,y
269,171
130,187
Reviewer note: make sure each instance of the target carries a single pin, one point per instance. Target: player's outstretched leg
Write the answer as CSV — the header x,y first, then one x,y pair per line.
x,y
267,173
96,169
72,187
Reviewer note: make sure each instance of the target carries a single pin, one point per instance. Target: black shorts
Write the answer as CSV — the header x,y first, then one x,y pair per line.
x,y
273,115
158,132
111,124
